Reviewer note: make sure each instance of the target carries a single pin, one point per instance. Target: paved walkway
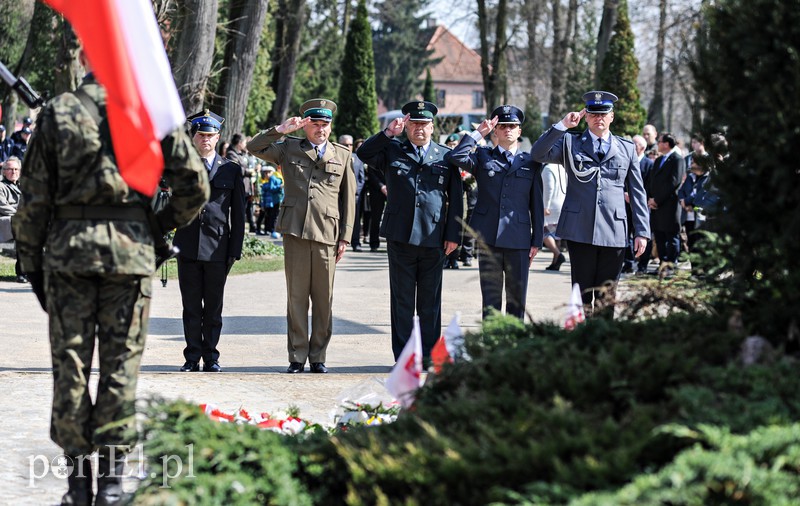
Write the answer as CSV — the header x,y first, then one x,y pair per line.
x,y
253,348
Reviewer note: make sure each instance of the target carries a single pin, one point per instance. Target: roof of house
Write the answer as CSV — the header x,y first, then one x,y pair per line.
x,y
458,62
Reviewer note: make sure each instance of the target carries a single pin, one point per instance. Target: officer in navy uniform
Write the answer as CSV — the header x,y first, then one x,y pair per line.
x,y
600,167
420,224
208,247
509,214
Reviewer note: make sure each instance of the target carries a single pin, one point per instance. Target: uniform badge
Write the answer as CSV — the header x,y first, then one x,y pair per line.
x,y
322,103
331,178
506,109
491,173
421,106
598,97
441,179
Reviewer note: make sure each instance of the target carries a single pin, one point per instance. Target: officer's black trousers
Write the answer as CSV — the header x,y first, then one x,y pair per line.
x,y
415,282
497,265
592,266
202,288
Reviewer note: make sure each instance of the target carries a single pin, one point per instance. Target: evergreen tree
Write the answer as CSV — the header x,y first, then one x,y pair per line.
x,y
429,92
319,64
358,104
400,51
619,74
747,76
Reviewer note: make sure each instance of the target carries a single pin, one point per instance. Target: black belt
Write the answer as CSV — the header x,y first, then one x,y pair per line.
x,y
122,213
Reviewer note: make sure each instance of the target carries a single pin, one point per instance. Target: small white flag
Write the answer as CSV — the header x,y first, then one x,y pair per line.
x,y
406,376
574,314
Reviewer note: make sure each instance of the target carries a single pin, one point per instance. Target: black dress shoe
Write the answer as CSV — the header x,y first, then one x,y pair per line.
x,y
373,250
22,278
212,367
467,262
295,367
318,367
357,248
190,366
556,265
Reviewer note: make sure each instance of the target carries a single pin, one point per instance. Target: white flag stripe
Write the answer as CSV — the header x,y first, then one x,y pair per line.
x,y
406,375
150,65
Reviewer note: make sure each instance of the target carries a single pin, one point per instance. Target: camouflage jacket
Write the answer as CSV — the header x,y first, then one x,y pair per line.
x,y
67,164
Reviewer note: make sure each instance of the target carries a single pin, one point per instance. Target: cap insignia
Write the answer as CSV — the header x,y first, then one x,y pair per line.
x,y
506,109
421,106
598,97
322,103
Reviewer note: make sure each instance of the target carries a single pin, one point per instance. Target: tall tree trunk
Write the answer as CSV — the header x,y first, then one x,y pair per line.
x,y
346,18
607,23
493,70
562,38
655,113
534,9
194,51
290,17
241,48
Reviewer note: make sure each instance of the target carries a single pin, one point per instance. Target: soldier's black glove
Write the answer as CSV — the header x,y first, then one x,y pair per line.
x,y
230,264
36,279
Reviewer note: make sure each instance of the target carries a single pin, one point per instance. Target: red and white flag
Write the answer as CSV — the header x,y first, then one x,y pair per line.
x,y
574,314
406,376
123,43
450,345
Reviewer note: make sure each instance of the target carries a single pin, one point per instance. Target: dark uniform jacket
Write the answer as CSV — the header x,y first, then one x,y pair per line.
x,y
510,208
425,197
594,210
217,234
663,184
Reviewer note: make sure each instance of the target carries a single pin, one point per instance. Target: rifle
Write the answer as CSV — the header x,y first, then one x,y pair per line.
x,y
21,86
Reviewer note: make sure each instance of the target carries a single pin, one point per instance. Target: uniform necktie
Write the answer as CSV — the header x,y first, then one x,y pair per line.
x,y
420,153
600,153
316,150
207,164
509,158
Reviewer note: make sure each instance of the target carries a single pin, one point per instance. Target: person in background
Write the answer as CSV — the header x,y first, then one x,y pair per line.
x,y
271,199
10,193
208,248
554,179
237,152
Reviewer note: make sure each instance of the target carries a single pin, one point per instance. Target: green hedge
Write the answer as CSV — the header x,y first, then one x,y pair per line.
x,y
539,416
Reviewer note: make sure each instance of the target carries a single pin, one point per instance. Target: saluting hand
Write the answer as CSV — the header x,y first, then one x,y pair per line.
x,y
397,125
572,119
487,126
292,124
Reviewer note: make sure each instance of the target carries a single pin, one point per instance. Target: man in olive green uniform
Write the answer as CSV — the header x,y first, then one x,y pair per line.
x,y
85,242
316,220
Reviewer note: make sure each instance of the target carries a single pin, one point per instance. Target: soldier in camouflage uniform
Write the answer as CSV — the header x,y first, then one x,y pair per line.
x,y
84,239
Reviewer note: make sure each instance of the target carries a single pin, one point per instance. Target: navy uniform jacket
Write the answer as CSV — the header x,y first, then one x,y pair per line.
x,y
218,232
424,198
594,213
663,185
510,208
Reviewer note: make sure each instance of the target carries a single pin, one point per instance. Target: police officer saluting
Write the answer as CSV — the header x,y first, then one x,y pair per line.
x,y
208,247
424,202
509,214
600,167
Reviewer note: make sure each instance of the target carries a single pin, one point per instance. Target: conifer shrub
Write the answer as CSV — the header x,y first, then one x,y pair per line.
x,y
538,416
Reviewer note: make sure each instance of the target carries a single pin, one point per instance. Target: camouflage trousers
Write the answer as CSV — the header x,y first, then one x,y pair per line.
x,y
114,310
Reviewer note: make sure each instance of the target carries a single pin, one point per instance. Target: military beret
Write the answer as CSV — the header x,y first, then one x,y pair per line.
x,y
318,109
453,138
206,122
599,102
509,115
420,110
